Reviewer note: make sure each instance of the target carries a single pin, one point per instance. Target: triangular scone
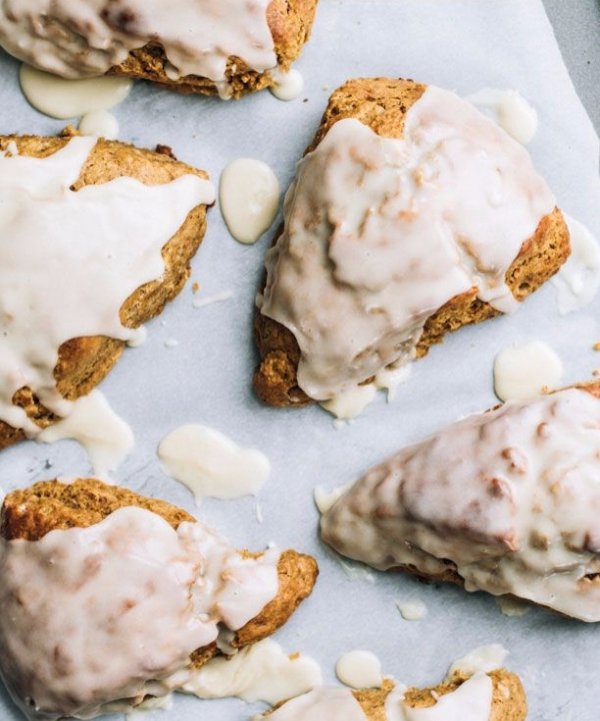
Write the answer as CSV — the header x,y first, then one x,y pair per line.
x,y
363,275
505,501
84,361
32,514
197,49
508,701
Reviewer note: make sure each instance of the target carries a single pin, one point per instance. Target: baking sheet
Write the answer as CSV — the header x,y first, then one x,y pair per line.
x,y
461,45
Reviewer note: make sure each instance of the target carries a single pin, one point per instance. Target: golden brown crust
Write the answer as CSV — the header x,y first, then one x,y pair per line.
x,y
84,362
290,22
33,512
382,103
509,702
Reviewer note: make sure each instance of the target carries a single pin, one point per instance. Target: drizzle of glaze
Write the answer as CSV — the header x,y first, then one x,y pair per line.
x,y
99,124
210,464
105,436
512,112
249,195
579,279
525,371
287,85
62,99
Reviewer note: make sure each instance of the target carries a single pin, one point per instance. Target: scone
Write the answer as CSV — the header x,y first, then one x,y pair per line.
x,y
65,538
505,501
202,46
496,696
412,214
98,239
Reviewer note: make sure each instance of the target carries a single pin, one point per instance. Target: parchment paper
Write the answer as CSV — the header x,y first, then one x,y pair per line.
x,y
464,45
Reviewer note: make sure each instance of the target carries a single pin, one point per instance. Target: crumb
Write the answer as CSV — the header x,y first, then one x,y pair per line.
x,y
195,286
596,346
68,132
596,372
294,656
165,150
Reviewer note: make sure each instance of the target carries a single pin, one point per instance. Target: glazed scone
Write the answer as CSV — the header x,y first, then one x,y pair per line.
x,y
504,501
205,46
49,509
84,361
506,702
308,354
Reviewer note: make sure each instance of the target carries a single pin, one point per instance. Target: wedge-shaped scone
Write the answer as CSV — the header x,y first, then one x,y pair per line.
x,y
505,501
229,47
97,237
411,215
496,696
104,593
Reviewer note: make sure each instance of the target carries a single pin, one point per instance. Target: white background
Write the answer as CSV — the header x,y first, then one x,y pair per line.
x,y
207,378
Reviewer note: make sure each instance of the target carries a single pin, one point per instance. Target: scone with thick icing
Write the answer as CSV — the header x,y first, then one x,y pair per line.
x,y
97,236
412,214
505,501
109,597
225,47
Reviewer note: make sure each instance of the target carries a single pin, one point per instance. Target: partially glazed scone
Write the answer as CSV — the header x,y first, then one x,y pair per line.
x,y
411,215
98,236
495,696
109,597
505,501
229,47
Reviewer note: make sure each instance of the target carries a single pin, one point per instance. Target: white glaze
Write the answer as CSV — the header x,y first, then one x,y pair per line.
x,y
512,112
87,37
357,572
508,497
321,704
210,464
201,302
261,672
471,701
79,603
288,86
389,379
412,610
352,402
62,99
99,124
325,499
456,198
359,669
579,278
249,198
525,371
142,712
512,607
105,436
481,660
97,245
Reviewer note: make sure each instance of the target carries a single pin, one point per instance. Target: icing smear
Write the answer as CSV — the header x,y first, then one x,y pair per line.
x,y
105,615
69,259
210,464
380,233
470,700
507,499
62,99
525,371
